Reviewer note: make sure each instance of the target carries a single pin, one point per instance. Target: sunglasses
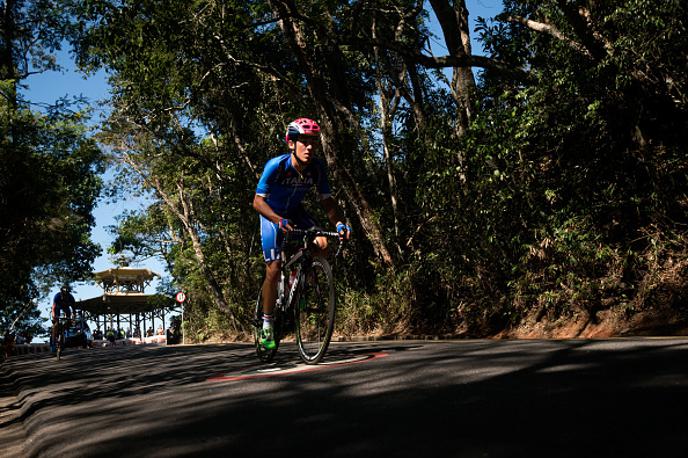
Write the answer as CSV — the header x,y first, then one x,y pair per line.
x,y
309,140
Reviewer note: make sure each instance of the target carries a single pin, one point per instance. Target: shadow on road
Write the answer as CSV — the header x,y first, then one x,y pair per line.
x,y
481,398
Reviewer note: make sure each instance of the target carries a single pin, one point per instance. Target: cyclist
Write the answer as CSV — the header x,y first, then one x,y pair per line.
x,y
63,301
278,200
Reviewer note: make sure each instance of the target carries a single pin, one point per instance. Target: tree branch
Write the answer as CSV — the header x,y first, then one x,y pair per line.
x,y
469,61
585,14
453,61
549,29
271,71
582,28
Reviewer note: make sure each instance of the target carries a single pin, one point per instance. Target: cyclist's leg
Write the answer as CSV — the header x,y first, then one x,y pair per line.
x,y
53,333
272,272
271,239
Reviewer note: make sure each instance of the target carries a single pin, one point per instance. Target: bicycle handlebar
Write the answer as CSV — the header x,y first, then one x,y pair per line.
x,y
308,235
295,233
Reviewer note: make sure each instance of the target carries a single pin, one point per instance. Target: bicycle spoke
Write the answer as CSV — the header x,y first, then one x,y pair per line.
x,y
307,310
315,312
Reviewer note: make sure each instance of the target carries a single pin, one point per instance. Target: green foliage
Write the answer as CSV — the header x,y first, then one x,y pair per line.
x,y
541,209
580,165
387,311
49,169
49,186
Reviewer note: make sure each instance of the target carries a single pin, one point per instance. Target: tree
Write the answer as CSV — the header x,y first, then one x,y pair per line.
x,y
530,191
49,166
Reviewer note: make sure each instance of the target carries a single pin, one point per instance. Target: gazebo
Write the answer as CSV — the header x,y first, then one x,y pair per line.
x,y
124,300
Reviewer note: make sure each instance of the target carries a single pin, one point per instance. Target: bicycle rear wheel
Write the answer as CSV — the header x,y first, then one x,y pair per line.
x,y
264,354
314,311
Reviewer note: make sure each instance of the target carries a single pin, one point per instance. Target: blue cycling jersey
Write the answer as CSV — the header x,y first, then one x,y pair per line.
x,y
284,188
66,303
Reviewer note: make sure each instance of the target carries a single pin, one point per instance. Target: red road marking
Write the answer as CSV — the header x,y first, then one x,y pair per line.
x,y
296,370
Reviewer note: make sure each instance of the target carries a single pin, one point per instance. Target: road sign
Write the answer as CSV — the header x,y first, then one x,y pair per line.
x,y
180,297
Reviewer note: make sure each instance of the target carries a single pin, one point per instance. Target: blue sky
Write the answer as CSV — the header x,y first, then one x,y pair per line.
x,y
44,89
47,87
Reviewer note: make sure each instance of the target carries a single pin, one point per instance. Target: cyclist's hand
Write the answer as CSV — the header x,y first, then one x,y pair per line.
x,y
284,225
344,231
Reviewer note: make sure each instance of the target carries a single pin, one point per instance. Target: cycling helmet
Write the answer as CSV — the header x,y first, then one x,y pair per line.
x,y
301,126
65,289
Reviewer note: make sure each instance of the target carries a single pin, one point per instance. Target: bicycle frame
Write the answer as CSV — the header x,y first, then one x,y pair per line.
x,y
284,298
296,261
60,338
295,266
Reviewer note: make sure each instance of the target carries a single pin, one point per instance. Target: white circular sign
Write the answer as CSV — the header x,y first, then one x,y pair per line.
x,y
181,297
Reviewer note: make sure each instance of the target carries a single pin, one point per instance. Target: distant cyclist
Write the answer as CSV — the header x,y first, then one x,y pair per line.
x,y
63,301
284,183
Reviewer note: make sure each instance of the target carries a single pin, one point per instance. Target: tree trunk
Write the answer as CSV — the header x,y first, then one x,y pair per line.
x,y
186,219
416,100
388,108
8,69
454,23
183,214
327,87
8,27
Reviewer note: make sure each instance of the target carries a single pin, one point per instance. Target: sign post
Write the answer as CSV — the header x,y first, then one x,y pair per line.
x,y
180,297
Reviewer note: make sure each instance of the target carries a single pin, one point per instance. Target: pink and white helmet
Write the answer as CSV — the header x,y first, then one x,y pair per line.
x,y
301,126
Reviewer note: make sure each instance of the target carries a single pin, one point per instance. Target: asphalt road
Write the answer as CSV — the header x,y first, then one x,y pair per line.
x,y
613,398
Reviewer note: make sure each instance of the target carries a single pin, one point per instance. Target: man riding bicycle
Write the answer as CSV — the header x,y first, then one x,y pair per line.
x,y
278,200
63,301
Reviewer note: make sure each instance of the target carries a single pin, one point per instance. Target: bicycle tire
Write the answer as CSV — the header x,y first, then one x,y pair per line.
x,y
60,341
314,310
264,354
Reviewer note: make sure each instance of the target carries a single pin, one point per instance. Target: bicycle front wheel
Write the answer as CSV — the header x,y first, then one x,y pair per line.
x,y
314,311
60,342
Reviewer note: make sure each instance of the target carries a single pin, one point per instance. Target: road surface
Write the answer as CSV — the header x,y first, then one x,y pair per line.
x,y
473,398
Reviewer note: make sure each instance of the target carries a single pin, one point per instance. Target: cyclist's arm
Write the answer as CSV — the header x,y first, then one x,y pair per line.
x,y
52,311
266,210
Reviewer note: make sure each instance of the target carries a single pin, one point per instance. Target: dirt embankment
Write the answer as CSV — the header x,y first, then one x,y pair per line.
x,y
606,323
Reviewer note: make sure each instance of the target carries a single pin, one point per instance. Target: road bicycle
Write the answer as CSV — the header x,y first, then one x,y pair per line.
x,y
305,298
61,328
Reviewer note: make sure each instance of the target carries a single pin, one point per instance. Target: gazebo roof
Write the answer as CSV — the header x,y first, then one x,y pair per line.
x,y
123,293
124,274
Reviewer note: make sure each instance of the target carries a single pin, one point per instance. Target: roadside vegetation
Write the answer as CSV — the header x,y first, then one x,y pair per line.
x,y
534,184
